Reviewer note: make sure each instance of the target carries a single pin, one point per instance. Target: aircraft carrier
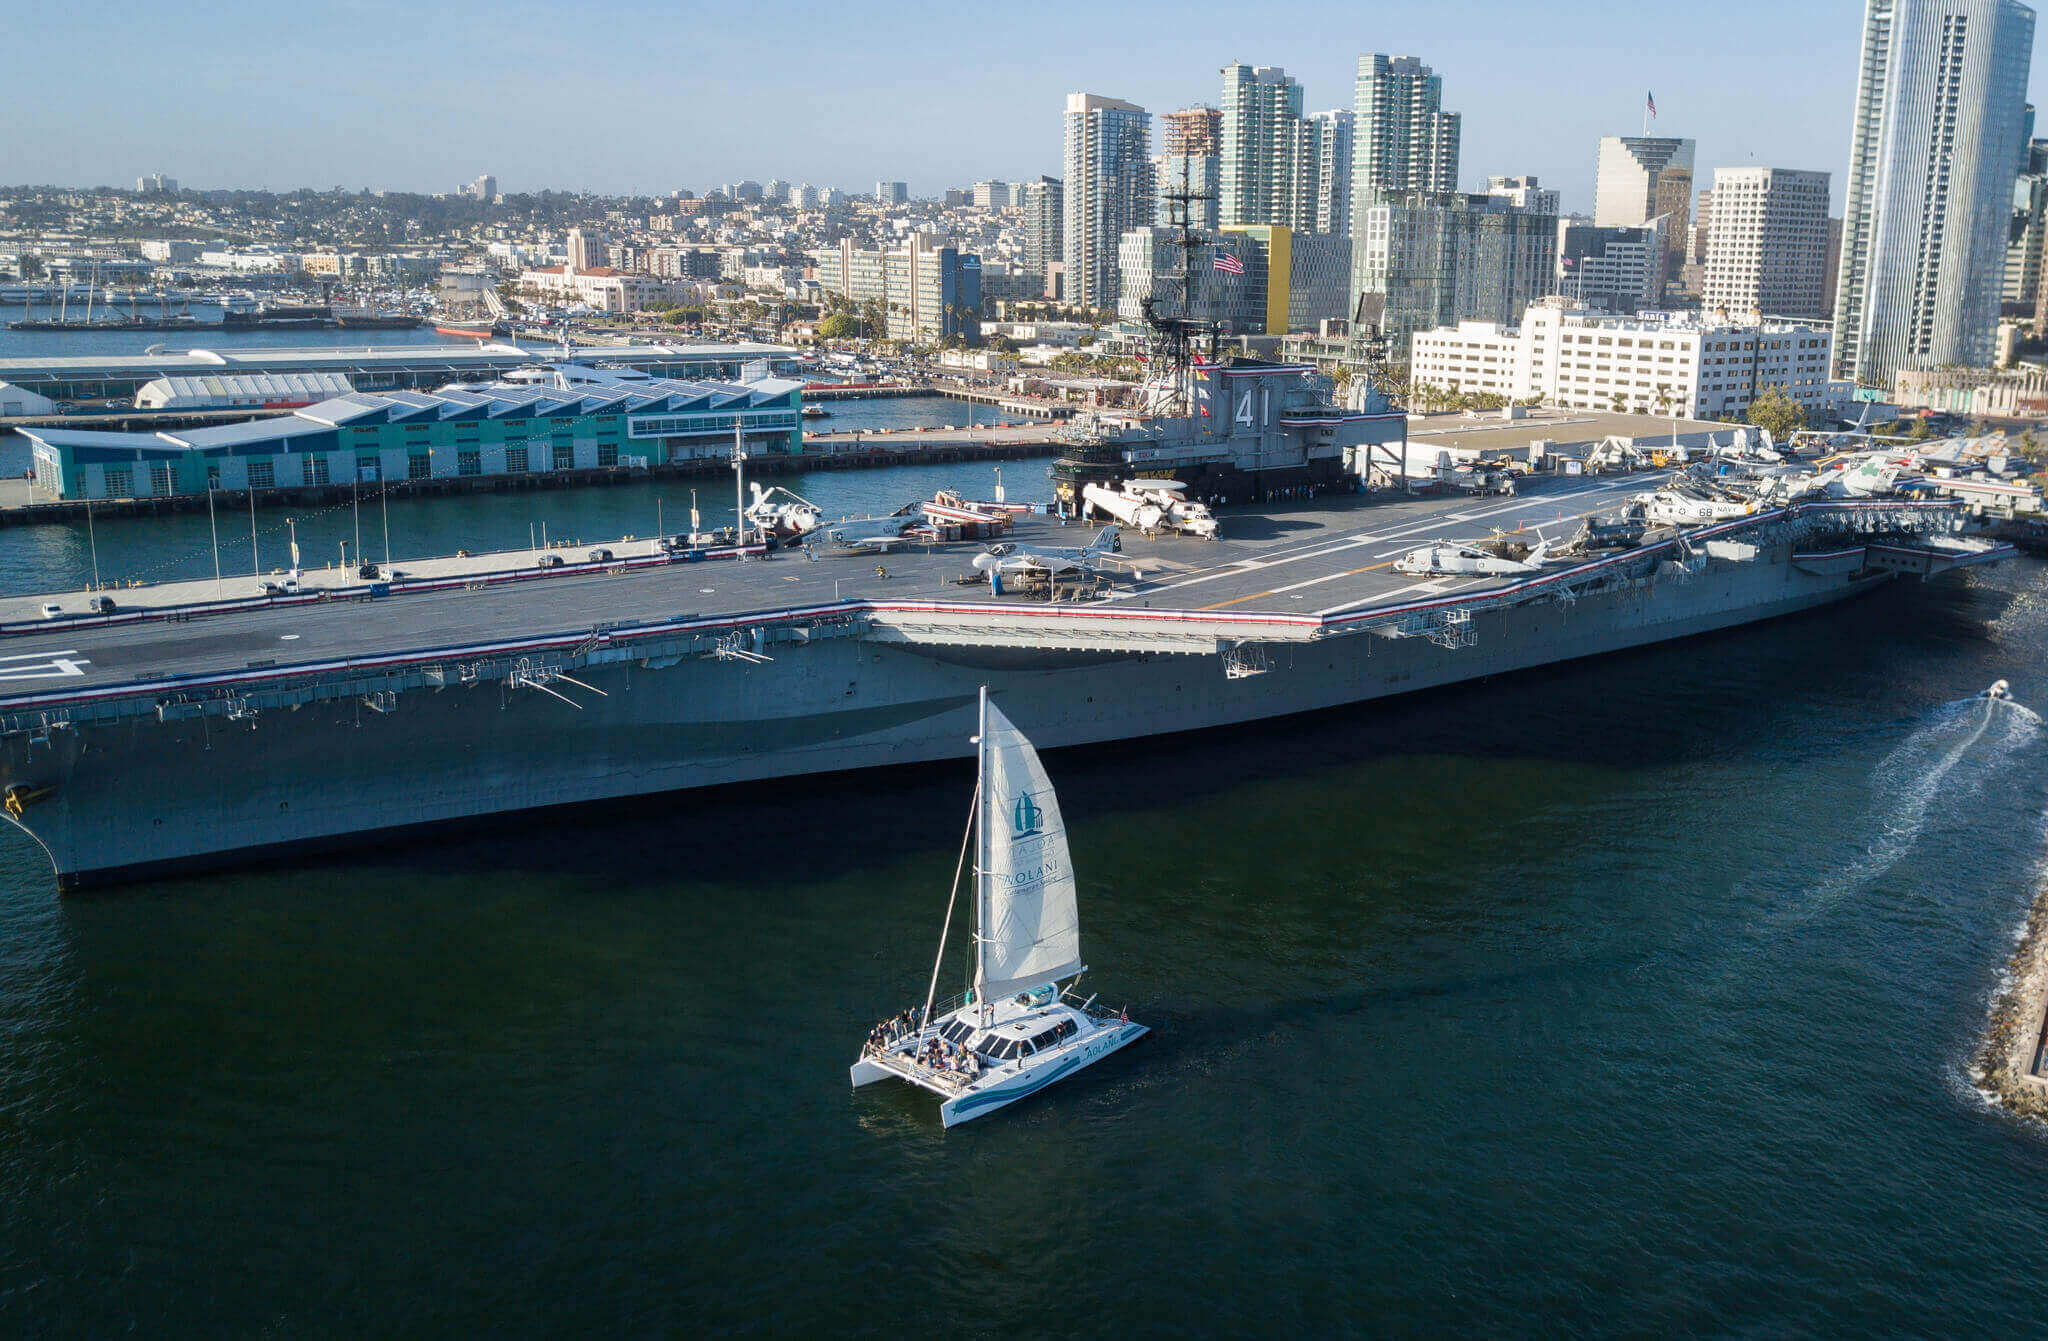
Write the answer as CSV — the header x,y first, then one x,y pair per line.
x,y
144,740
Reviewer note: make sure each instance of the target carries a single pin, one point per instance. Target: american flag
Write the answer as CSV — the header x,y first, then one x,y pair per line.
x,y
1650,100
1228,264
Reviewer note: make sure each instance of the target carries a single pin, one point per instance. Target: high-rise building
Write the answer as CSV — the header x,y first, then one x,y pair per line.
x,y
1192,130
777,190
1268,160
1768,243
746,190
1641,178
1108,191
1402,139
892,193
1934,148
1429,259
1333,136
586,250
991,194
484,188
1523,193
1044,224
2029,230
157,183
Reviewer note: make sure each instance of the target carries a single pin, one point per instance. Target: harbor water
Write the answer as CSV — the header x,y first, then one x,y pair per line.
x,y
1633,995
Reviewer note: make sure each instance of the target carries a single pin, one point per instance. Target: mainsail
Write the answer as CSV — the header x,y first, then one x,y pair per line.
x,y
1030,924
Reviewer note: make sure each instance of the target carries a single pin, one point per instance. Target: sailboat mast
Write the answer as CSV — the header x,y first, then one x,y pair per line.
x,y
981,850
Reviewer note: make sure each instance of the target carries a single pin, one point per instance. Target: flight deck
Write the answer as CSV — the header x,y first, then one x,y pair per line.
x,y
1319,557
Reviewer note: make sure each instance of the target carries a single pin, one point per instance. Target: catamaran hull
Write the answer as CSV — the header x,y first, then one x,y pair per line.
x,y
1073,1058
96,796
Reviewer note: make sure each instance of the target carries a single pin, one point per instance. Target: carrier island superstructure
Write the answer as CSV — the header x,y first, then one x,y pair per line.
x,y
131,742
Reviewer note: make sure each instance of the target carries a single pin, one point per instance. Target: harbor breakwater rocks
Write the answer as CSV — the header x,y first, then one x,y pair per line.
x,y
2012,1038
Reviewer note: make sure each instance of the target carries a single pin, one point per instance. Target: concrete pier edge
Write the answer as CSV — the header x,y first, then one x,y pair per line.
x,y
2019,1014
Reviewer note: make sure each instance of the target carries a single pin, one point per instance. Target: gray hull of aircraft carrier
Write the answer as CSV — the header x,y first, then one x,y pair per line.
x,y
152,745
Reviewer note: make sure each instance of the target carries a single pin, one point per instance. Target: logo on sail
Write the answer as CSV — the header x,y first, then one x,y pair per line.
x,y
1025,817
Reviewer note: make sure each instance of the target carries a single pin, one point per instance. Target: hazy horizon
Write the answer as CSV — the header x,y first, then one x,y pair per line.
x,y
645,99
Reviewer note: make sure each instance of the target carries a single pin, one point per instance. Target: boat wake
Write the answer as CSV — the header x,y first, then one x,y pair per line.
x,y
1961,748
1967,742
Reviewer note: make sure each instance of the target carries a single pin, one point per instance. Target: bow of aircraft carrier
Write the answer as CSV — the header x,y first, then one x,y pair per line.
x,y
209,722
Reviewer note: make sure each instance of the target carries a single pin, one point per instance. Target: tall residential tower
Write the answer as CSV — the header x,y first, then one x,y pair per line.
x,y
1109,191
1934,149
1268,160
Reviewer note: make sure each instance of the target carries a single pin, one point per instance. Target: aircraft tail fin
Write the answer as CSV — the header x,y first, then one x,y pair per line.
x,y
1105,540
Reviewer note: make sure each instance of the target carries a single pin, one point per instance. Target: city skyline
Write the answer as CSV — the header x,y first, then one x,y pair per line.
x,y
1537,90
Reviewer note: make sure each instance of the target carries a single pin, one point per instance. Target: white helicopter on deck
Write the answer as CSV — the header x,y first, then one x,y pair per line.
x,y
1679,507
1450,559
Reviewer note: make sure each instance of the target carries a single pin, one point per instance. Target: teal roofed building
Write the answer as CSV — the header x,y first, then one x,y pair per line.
x,y
496,429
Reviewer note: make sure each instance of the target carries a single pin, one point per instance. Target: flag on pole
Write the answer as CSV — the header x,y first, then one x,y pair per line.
x,y
1228,264
1650,102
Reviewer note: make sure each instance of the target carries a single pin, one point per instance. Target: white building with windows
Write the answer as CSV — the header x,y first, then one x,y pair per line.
x,y
1767,242
1652,364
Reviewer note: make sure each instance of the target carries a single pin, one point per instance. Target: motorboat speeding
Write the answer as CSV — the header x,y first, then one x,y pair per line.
x,y
1999,689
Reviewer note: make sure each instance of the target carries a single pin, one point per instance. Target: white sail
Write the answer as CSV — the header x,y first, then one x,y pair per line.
x,y
1030,923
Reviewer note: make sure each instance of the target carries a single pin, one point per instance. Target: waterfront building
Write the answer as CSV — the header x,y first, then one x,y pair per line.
x,y
73,378
1524,193
1642,178
1268,162
1661,363
892,193
493,429
1426,259
165,251
604,287
255,391
1108,191
1044,219
1332,137
1768,243
1935,144
1611,269
1402,139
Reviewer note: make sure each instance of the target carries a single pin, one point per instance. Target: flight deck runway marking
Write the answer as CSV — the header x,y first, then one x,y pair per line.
x,y
44,665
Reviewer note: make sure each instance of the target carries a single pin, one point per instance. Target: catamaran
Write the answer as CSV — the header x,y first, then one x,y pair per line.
x,y
1015,1031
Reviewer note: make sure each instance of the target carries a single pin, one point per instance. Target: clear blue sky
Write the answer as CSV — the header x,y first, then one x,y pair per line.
x,y
654,96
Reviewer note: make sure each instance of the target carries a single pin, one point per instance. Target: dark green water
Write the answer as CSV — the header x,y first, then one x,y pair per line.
x,y
1633,996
